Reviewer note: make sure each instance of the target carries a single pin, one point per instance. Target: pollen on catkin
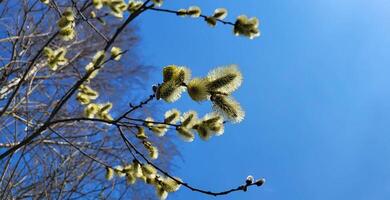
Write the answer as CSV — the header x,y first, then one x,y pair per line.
x,y
137,169
66,24
119,171
203,131
149,122
109,173
98,58
248,27
220,13
91,110
228,107
88,91
159,129
134,5
83,99
169,184
153,152
189,119
158,2
211,21
214,123
224,79
117,7
178,74
116,53
161,193
149,170
141,133
89,68
56,57
185,133
130,178
172,116
181,12
45,1
98,4
197,89
194,11
169,91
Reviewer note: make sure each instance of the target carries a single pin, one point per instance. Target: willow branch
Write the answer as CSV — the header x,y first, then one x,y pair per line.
x,y
177,13
239,188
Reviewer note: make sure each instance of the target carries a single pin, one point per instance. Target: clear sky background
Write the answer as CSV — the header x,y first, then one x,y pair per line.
x,y
316,93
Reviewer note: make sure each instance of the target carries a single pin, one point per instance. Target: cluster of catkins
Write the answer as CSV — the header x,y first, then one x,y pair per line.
x,y
217,87
185,125
195,11
118,7
245,26
56,57
153,151
67,25
147,173
86,94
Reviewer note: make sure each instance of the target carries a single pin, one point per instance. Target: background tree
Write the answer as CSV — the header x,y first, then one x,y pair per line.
x,y
64,64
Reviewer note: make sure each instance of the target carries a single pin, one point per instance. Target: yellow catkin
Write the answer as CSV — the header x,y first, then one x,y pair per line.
x,y
197,89
189,119
109,173
228,107
194,11
116,53
185,133
248,27
220,13
172,116
224,79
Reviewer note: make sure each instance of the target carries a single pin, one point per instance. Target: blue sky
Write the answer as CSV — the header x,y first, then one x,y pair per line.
x,y
316,94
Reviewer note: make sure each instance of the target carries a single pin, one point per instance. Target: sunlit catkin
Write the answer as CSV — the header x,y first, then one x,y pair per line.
x,y
189,119
141,133
66,24
220,13
153,152
91,110
177,74
137,169
98,58
228,107
212,21
169,91
224,79
158,2
130,179
172,116
119,171
214,122
159,129
116,53
109,173
149,170
56,57
149,122
185,133
203,131
248,27
134,5
161,193
197,89
169,184
194,11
